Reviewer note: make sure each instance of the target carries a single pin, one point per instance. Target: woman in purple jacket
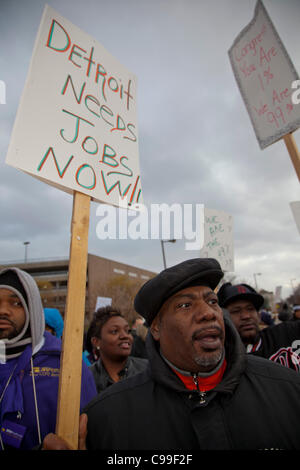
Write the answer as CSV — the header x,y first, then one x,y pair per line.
x,y
29,365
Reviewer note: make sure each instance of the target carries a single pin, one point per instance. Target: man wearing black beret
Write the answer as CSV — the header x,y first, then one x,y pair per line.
x,y
201,390
277,343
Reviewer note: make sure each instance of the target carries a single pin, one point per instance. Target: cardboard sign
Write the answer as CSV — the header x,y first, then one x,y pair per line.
x,y
277,295
218,238
103,302
264,74
76,126
295,207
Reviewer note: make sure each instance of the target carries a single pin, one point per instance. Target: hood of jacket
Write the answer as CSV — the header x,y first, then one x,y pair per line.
x,y
54,319
234,352
35,307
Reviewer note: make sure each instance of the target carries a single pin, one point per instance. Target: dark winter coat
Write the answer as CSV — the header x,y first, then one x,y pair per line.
x,y
281,344
255,406
133,366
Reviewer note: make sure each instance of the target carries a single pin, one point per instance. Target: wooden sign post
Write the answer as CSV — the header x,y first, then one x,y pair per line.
x,y
293,151
76,129
264,73
71,359
295,208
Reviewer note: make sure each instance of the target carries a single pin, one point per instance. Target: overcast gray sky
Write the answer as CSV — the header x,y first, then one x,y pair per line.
x,y
196,141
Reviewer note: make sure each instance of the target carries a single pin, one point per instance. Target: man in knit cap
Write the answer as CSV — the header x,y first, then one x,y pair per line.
x,y
30,363
278,343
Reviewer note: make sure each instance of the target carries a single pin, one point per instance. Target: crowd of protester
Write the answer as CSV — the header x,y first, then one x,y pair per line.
x,y
176,378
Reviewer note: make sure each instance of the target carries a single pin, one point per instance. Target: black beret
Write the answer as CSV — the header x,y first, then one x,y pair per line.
x,y
196,271
229,293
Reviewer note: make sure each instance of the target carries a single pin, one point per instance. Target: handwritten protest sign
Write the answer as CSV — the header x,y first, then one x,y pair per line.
x,y
76,129
264,74
218,238
103,302
76,126
295,207
277,295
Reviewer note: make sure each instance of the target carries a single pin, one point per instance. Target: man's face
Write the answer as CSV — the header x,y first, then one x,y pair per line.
x,y
12,314
297,314
115,341
245,318
190,329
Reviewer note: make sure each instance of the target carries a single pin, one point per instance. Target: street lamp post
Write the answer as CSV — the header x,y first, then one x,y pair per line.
x,y
256,274
26,247
292,285
163,250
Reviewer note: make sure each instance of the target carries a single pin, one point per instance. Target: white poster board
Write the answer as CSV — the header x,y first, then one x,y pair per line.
x,y
76,125
264,74
218,238
277,295
295,207
103,302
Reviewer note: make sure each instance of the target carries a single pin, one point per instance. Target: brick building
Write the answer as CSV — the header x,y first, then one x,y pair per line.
x,y
52,278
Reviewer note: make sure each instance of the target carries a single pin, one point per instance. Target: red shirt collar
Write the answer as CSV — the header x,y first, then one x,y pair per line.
x,y
204,383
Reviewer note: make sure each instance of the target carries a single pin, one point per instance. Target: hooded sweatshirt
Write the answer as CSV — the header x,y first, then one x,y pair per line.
x,y
29,382
54,319
33,309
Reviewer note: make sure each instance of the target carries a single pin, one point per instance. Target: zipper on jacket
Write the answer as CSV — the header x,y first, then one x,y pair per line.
x,y
202,394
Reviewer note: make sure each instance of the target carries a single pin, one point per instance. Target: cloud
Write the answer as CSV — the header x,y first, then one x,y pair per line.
x,y
196,141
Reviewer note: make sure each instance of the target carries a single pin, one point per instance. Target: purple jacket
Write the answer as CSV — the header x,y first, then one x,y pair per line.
x,y
19,405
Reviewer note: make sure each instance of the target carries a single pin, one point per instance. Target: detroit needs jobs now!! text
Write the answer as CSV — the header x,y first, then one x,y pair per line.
x,y
96,112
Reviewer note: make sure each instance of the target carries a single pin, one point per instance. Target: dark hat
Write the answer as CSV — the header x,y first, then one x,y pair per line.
x,y
229,293
196,271
10,279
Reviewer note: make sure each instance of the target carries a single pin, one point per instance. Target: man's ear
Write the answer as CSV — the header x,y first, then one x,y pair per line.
x,y
155,328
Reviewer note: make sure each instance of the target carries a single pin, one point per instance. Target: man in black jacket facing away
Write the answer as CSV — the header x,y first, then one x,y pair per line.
x,y
201,391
